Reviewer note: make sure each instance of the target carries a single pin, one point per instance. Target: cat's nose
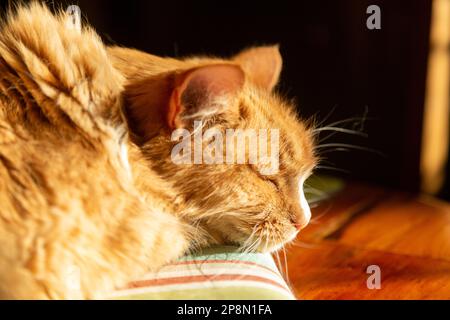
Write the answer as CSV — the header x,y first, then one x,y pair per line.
x,y
301,223
303,213
302,209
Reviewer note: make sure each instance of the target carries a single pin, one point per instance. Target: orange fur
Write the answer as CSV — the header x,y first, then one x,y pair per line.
x,y
77,192
69,201
234,203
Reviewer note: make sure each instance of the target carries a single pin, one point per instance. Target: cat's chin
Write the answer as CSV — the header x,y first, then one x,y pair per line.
x,y
264,247
274,247
240,239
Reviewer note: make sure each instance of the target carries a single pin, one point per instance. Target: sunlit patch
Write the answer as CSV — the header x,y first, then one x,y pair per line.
x,y
303,202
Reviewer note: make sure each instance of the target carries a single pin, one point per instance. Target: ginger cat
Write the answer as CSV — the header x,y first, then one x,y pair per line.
x,y
80,196
235,203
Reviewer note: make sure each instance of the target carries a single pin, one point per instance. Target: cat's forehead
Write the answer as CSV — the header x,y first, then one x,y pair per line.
x,y
264,110
297,155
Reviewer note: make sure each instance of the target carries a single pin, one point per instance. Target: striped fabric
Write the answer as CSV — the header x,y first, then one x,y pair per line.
x,y
216,273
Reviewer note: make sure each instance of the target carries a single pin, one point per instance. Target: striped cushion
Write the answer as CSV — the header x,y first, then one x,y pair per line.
x,y
216,273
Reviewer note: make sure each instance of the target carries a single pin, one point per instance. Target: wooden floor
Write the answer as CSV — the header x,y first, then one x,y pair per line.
x,y
407,236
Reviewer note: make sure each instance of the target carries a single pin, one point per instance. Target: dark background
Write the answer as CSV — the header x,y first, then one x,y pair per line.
x,y
333,65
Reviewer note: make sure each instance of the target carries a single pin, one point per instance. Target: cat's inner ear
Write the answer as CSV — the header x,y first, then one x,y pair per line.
x,y
175,99
262,65
202,92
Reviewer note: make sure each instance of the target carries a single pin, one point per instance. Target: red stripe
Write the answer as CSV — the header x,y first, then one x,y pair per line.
x,y
200,278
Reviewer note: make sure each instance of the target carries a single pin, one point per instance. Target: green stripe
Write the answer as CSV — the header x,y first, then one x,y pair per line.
x,y
229,253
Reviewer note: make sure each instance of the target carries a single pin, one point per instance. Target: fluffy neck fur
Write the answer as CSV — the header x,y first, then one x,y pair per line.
x,y
69,204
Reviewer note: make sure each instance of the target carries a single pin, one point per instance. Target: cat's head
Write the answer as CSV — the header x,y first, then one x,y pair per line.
x,y
174,107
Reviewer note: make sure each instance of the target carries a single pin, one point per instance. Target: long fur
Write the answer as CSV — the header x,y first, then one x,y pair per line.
x,y
69,205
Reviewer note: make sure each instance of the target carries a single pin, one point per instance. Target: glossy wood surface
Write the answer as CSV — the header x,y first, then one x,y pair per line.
x,y
407,236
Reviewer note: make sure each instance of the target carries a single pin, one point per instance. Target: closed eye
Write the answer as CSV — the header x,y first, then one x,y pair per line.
x,y
268,179
274,183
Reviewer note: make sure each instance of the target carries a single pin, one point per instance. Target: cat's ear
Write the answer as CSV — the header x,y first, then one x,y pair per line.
x,y
262,64
174,100
202,92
